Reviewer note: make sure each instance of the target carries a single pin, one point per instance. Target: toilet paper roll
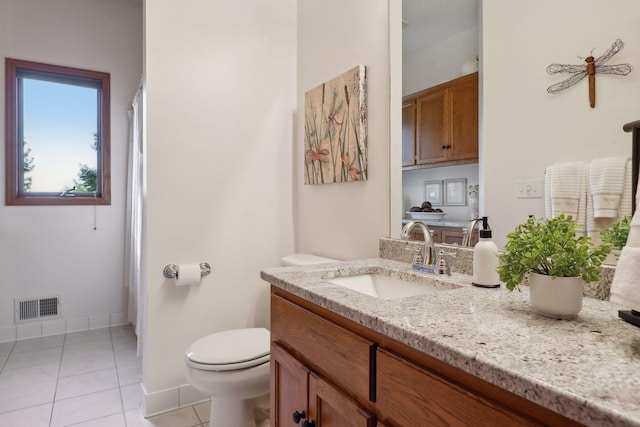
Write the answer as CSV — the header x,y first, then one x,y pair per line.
x,y
187,274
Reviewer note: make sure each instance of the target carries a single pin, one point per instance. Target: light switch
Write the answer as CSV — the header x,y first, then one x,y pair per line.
x,y
529,188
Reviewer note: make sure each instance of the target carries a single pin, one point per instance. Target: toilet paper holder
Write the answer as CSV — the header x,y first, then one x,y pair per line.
x,y
171,271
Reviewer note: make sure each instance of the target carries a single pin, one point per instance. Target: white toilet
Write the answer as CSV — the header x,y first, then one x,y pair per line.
x,y
233,366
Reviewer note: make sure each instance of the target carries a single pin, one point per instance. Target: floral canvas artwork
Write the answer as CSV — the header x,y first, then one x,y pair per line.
x,y
335,138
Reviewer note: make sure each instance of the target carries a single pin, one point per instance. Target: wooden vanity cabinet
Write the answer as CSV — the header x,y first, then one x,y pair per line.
x,y
336,372
298,394
428,400
309,355
445,124
449,235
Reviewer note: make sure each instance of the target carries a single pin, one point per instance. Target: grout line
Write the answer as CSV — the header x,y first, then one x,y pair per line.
x,y
53,404
119,387
115,362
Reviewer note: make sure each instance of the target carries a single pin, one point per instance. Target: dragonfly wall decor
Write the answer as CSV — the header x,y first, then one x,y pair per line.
x,y
590,69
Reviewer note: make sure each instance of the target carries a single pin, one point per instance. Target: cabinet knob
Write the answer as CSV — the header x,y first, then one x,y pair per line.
x,y
446,147
308,423
298,416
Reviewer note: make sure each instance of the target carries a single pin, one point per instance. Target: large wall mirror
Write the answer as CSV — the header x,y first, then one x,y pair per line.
x,y
522,128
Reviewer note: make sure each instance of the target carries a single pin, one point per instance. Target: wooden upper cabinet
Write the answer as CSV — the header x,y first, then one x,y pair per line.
x,y
409,132
432,131
446,123
463,97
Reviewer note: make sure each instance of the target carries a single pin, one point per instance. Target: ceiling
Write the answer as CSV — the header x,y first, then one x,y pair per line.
x,y
428,22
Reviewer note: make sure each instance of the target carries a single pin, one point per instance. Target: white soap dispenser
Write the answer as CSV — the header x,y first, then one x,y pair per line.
x,y
485,259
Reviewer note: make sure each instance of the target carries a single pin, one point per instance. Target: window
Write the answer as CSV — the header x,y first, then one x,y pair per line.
x,y
57,135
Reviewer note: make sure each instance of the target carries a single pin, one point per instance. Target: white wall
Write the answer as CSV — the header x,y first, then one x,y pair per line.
x,y
53,250
527,129
413,187
220,100
344,220
440,62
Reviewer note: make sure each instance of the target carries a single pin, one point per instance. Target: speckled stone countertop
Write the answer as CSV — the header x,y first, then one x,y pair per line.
x,y
587,369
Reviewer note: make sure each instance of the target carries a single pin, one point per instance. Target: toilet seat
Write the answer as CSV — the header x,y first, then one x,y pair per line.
x,y
230,350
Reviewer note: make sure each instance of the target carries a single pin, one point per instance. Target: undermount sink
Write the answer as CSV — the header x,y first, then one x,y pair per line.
x,y
386,287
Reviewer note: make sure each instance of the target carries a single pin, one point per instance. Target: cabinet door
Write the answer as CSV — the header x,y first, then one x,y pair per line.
x,y
289,381
409,133
436,234
338,354
452,236
464,118
409,395
432,128
330,407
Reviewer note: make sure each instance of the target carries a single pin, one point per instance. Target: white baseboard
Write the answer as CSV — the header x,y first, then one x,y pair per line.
x,y
160,401
189,395
47,328
8,334
170,399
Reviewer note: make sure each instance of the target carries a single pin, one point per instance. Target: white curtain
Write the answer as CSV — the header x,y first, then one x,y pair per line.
x,y
134,256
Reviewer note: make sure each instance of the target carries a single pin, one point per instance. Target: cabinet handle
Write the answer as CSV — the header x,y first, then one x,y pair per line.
x,y
308,423
298,416
448,146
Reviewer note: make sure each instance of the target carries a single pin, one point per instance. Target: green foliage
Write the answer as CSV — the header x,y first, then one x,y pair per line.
x,y
549,247
617,234
87,179
28,166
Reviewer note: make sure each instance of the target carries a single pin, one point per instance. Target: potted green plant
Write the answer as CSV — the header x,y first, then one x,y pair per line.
x,y
616,236
556,261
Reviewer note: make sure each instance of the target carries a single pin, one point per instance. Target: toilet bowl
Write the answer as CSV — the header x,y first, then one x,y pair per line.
x,y
233,366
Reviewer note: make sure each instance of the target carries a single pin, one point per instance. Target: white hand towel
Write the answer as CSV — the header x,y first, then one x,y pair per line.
x,y
625,289
596,225
566,192
565,188
548,177
606,180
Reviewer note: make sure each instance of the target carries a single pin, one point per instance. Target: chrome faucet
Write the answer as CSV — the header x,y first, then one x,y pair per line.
x,y
429,248
468,232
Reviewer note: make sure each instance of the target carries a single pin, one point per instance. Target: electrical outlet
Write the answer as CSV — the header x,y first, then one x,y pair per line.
x,y
529,188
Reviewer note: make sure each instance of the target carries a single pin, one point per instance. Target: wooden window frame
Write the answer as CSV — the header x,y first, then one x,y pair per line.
x,y
14,191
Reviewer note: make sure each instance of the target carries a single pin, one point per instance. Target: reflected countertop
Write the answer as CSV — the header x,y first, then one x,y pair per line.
x,y
587,369
442,223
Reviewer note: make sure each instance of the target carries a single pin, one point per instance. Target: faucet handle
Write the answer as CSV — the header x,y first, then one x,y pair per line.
x,y
417,258
441,263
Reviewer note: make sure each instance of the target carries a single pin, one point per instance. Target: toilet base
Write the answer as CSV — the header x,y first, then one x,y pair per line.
x,y
233,413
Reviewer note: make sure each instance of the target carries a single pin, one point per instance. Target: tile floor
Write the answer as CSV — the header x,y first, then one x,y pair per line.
x,y
83,379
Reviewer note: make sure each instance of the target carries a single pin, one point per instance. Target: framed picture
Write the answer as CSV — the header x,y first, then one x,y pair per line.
x,y
433,192
335,123
455,192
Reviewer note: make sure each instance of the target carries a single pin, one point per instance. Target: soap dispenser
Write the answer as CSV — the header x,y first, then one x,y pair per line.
x,y
485,259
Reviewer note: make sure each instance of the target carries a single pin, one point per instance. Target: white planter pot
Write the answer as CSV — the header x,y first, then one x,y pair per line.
x,y
612,258
560,297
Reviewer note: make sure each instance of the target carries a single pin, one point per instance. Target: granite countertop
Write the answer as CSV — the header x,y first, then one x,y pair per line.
x,y
587,369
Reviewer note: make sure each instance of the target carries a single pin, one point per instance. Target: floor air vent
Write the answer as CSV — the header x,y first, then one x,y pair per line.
x,y
37,308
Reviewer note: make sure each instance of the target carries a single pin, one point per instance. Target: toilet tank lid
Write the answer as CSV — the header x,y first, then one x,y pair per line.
x,y
304,259
231,346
